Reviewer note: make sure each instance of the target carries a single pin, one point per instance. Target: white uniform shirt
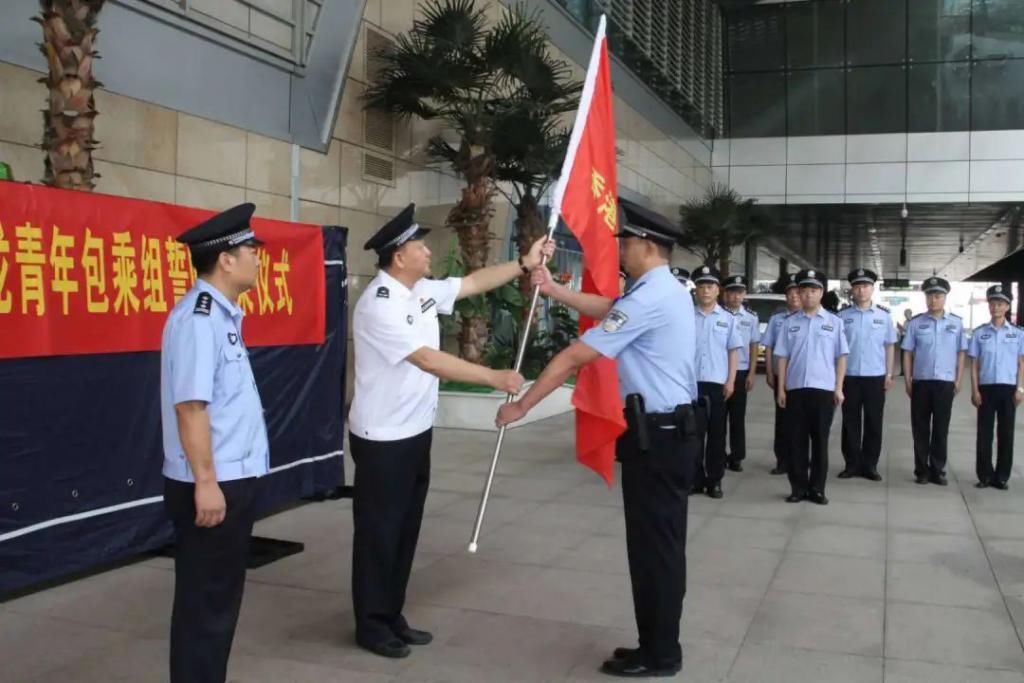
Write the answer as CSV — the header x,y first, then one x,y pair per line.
x,y
393,398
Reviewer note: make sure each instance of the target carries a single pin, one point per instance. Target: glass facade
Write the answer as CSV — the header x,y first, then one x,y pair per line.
x,y
825,67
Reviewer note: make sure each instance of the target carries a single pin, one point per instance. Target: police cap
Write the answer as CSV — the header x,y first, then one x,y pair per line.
x,y
935,284
736,282
811,278
861,275
790,282
999,292
705,275
639,221
223,231
681,274
396,232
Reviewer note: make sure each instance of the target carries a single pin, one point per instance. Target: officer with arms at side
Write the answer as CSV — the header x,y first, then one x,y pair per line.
x,y
780,442
811,349
933,364
749,327
649,330
397,365
215,445
997,382
718,344
871,336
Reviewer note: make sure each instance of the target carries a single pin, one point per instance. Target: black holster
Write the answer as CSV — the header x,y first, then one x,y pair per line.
x,y
636,420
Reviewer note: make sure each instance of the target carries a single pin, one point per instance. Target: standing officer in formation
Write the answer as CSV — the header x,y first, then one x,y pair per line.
x,y
780,442
215,445
871,336
649,331
749,327
397,365
718,342
933,364
997,383
812,349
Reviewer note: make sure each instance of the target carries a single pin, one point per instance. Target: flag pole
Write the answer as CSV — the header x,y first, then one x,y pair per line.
x,y
556,205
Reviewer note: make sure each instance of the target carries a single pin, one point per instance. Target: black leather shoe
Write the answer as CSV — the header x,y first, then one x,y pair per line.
x,y
981,485
920,479
413,636
847,474
938,479
778,470
633,667
817,497
392,649
872,475
715,491
625,652
1001,485
734,466
795,497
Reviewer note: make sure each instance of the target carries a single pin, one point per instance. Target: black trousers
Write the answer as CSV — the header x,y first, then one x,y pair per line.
x,y
391,482
862,422
655,488
780,443
931,404
736,417
809,415
711,465
996,403
209,578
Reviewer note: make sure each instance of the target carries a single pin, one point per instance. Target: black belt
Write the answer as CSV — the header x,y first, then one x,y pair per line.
x,y
661,419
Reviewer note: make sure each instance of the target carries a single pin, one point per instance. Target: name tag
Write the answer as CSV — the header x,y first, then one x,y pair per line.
x,y
985,337
828,328
951,328
877,321
795,329
848,322
1012,336
745,323
722,324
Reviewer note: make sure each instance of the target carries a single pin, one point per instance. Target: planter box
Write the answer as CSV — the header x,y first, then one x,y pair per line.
x,y
468,410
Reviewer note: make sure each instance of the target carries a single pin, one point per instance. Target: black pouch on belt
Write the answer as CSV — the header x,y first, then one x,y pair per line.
x,y
636,419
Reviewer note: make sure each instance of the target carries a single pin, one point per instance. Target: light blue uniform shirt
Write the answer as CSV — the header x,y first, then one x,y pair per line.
x,y
868,331
812,344
203,358
935,345
717,335
649,331
749,327
997,351
771,334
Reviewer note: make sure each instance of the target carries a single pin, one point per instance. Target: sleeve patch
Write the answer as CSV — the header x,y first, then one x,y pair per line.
x,y
614,321
383,293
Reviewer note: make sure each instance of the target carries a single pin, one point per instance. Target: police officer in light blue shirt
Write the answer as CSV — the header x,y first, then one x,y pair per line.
x,y
869,373
718,344
649,331
997,381
933,364
780,442
749,328
215,444
812,351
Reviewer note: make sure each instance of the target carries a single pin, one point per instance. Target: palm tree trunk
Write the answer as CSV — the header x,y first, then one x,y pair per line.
x,y
69,33
471,219
529,228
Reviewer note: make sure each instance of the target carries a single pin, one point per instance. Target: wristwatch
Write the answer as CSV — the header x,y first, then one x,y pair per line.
x,y
522,266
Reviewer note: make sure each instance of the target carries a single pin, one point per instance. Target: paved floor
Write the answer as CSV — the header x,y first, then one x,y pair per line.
x,y
891,582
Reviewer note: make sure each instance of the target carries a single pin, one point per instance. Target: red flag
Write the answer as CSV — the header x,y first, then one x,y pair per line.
x,y
586,198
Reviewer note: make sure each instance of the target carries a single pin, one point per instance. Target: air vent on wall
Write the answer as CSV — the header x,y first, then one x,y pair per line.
x,y
379,129
378,169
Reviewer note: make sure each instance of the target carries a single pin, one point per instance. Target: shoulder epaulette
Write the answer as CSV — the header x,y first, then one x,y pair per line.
x,y
383,292
204,302
882,308
955,315
632,289
845,306
920,315
790,315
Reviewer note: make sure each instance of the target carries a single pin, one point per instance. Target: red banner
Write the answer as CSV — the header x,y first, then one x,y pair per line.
x,y
589,207
84,273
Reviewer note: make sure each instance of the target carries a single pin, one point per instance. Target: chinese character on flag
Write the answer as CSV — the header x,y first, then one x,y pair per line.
x,y
589,207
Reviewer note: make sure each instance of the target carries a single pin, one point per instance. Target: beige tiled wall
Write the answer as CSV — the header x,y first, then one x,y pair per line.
x,y
156,153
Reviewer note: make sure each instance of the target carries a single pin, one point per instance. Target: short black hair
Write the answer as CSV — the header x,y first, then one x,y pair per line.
x,y
205,262
664,250
386,257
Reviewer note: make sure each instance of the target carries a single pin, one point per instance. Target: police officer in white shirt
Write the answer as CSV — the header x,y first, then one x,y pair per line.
x,y
215,445
397,365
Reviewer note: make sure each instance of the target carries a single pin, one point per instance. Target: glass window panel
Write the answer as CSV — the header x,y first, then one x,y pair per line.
x,y
757,39
814,33
757,105
998,29
876,32
876,100
939,30
815,102
939,97
996,104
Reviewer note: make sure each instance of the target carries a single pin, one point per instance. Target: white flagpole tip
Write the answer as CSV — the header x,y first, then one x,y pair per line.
x,y
472,548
